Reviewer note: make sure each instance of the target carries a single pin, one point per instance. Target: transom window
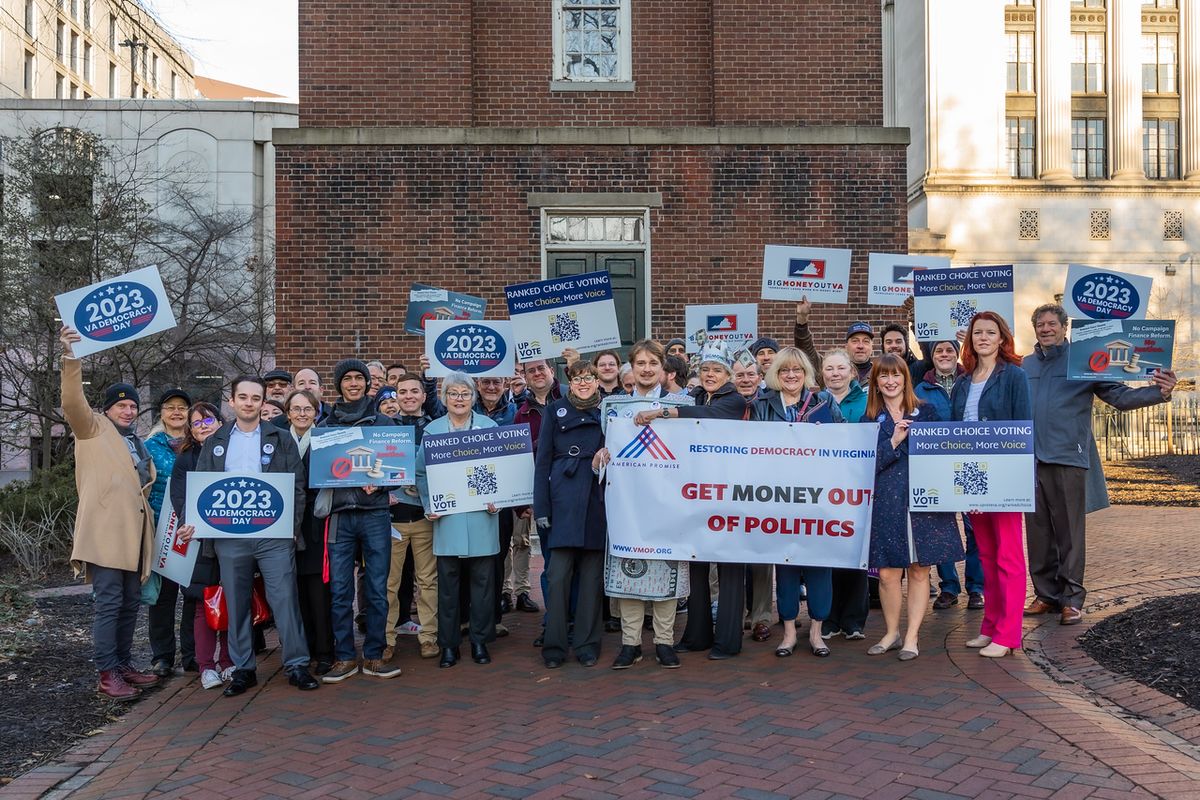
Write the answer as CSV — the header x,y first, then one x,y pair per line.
x,y
592,41
588,229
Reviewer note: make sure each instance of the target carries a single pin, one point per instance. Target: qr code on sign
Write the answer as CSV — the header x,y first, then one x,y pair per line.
x,y
564,327
962,311
970,477
481,479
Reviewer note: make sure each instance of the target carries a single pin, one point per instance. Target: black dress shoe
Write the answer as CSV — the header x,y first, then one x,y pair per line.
x,y
302,680
190,665
588,659
506,603
664,654
539,640
479,654
718,655
242,680
683,647
449,657
553,663
630,654
162,668
524,603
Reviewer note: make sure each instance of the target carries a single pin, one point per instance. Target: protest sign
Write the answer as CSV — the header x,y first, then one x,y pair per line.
x,y
354,456
947,299
482,349
751,492
1094,293
233,505
427,303
628,406
970,466
467,470
819,273
549,316
889,276
1119,349
736,324
116,311
173,559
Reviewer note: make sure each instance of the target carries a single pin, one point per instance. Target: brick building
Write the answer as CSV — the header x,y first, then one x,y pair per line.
x,y
475,144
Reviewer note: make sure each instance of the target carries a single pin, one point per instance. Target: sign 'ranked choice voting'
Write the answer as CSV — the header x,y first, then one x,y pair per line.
x,y
575,311
970,466
466,470
116,311
945,300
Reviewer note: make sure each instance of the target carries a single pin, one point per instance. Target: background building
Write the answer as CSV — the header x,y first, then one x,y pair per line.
x,y
666,142
82,49
1046,132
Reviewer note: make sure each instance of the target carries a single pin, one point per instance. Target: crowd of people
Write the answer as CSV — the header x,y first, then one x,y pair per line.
x,y
344,586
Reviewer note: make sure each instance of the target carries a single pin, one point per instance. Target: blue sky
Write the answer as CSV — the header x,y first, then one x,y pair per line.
x,y
250,42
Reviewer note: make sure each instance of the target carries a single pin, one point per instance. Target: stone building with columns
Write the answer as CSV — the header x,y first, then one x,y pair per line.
x,y
1047,132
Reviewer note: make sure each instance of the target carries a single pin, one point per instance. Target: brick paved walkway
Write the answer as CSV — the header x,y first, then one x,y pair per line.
x,y
1048,723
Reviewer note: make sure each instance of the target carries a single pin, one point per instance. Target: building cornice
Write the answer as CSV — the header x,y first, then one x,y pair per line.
x,y
1076,188
594,136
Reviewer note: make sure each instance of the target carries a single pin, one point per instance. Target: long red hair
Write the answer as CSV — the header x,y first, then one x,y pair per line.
x,y
1007,351
890,364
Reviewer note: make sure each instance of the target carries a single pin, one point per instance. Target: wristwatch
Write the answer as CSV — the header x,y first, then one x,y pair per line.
x,y
665,413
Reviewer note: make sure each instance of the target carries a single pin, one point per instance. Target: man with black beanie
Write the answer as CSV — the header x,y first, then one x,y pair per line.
x,y
359,522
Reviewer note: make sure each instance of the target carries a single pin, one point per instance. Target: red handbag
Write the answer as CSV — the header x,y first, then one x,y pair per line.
x,y
217,615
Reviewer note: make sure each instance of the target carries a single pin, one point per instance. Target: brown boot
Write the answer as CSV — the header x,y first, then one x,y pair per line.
x,y
135,677
1039,606
114,686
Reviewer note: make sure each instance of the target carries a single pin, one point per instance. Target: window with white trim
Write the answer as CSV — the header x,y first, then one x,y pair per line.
x,y
592,42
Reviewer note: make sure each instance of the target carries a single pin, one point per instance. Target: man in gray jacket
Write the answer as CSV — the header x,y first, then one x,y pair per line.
x,y
1066,453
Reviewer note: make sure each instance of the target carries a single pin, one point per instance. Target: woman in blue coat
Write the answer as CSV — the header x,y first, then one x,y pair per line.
x,y
792,396
902,541
568,506
464,544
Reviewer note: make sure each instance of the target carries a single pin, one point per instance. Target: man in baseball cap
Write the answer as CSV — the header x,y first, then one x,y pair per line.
x,y
860,344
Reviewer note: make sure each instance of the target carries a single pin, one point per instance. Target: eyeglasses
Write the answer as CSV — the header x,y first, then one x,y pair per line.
x,y
206,421
303,410
583,379
458,395
791,370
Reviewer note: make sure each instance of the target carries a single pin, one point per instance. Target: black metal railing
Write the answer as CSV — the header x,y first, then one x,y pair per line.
x,y
1165,429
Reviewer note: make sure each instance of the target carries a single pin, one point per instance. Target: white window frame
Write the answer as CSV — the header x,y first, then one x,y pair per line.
x,y
623,82
600,211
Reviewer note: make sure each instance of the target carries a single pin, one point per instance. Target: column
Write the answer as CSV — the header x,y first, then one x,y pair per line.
x,y
1054,90
1125,93
1189,80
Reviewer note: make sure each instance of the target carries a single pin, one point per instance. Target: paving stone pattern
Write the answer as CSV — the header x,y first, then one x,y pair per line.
x,y
1047,723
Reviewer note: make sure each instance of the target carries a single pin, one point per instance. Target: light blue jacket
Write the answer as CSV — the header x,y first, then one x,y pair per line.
x,y
470,535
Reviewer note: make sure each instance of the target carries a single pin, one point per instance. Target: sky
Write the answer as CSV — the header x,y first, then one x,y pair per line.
x,y
249,42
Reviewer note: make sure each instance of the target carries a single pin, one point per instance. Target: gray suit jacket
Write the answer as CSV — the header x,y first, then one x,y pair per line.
x,y
282,456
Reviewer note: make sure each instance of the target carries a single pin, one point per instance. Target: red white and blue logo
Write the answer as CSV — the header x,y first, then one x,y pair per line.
x,y
116,311
903,273
240,505
721,323
647,441
812,268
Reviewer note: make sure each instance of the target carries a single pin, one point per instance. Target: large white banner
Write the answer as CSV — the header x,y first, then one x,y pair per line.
x,y
752,492
970,466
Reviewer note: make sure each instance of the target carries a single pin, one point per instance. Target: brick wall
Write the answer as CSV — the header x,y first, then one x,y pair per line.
x,y
356,226
701,62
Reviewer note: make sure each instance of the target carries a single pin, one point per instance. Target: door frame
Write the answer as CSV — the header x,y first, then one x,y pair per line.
x,y
597,211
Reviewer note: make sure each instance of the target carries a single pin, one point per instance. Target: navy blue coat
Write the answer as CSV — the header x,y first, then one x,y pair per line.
x,y
934,538
565,490
1005,396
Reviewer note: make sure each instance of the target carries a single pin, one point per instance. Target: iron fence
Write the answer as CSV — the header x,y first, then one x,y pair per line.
x,y
1166,429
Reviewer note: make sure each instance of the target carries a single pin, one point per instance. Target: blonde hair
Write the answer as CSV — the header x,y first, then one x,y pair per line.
x,y
790,357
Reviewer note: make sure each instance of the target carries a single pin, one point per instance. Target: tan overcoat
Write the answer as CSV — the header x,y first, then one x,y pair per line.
x,y
114,526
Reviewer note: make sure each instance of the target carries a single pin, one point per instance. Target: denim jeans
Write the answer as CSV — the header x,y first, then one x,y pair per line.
x,y
948,572
370,531
819,582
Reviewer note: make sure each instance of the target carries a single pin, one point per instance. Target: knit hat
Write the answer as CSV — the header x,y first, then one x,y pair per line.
x,y
170,394
118,392
384,393
764,343
717,352
675,341
278,375
347,365
859,327
954,342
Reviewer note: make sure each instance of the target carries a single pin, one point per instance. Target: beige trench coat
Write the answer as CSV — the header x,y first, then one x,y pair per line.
x,y
114,526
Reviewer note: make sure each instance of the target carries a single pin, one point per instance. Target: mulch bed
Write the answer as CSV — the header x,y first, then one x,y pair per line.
x,y
1154,481
48,698
1154,644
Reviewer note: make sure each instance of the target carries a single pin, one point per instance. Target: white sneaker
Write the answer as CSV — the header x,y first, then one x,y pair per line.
x,y
227,674
210,679
410,628
979,642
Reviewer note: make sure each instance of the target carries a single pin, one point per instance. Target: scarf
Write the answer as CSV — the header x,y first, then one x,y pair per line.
x,y
345,414
302,442
137,452
585,405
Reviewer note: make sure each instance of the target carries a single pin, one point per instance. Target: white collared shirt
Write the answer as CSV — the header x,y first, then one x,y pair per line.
x,y
244,451
656,392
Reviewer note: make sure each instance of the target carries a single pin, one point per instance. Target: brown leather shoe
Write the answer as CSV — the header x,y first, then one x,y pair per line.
x,y
762,632
429,650
135,677
1070,616
1039,606
112,685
